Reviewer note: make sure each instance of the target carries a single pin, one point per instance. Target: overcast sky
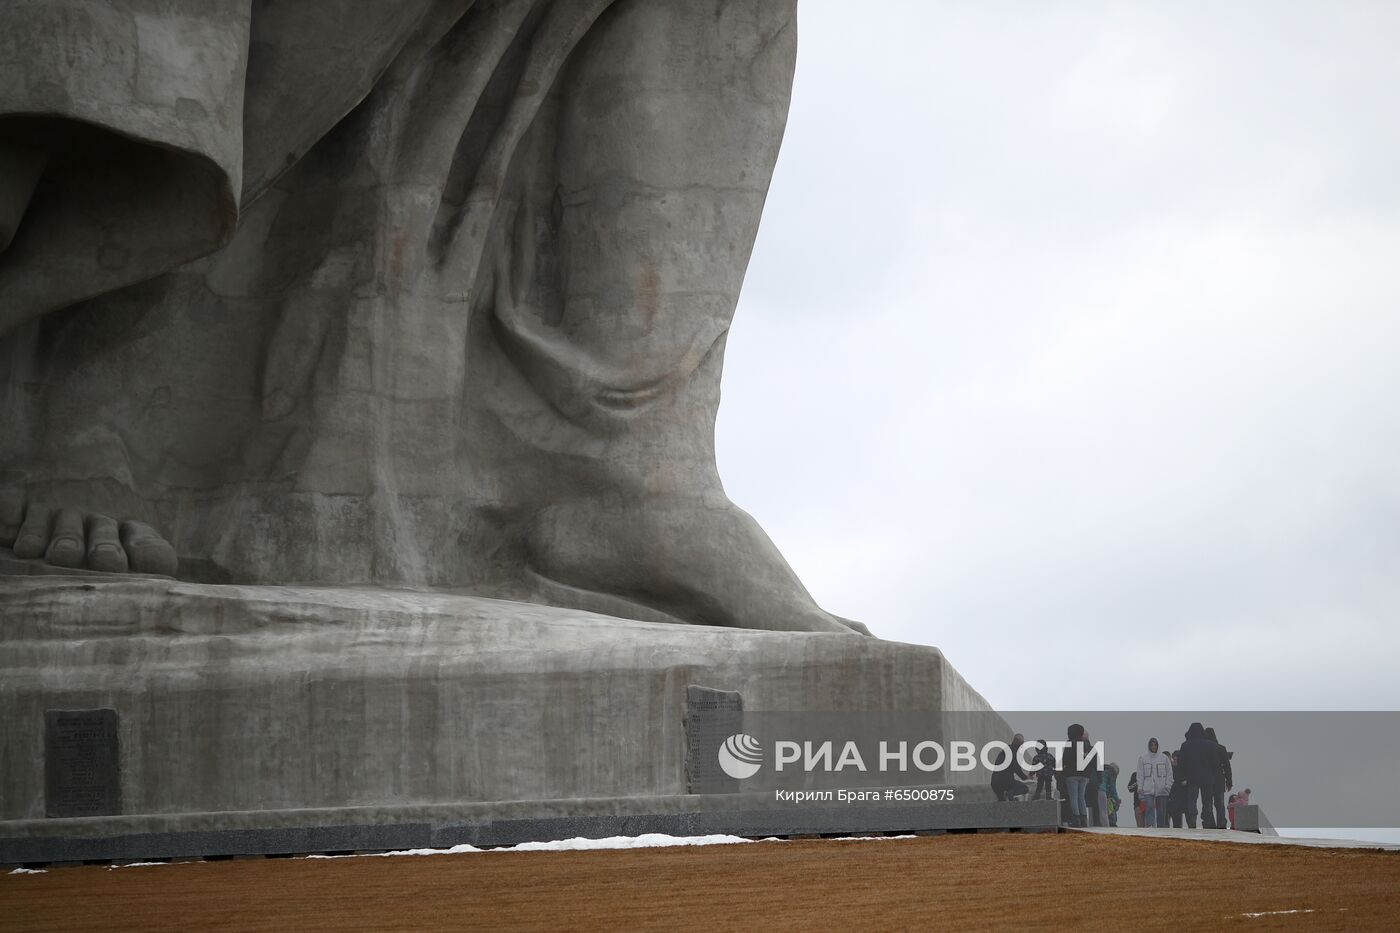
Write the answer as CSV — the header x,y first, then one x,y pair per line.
x,y
1070,345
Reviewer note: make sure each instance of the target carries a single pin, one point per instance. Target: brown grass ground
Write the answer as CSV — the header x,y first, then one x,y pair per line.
x,y
986,882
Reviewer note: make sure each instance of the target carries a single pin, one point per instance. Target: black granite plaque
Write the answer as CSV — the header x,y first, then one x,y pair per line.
x,y
711,716
82,764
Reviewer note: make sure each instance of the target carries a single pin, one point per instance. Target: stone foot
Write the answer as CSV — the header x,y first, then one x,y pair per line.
x,y
675,561
72,540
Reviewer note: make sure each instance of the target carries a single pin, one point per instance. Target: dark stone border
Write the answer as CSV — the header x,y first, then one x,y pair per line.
x,y
1031,816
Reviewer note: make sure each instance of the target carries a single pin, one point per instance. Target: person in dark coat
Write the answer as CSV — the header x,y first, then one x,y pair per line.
x,y
1062,787
1200,760
1179,800
1225,778
1137,799
1073,768
1094,803
1005,773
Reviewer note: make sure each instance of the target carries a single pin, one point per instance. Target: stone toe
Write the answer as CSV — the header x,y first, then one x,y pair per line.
x,y
30,545
65,551
33,536
105,552
67,545
107,558
147,551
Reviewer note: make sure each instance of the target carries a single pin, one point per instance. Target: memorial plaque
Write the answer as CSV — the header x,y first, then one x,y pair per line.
x,y
82,764
711,716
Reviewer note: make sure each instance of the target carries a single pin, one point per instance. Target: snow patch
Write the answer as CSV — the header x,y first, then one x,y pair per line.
x,y
644,841
455,850
870,838
577,844
580,843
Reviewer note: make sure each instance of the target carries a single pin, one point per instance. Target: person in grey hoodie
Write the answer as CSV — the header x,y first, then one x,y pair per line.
x,y
1154,783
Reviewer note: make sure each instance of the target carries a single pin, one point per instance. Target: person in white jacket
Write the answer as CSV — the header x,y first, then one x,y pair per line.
x,y
1154,778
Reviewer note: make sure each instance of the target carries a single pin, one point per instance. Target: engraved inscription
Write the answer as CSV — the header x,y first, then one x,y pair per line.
x,y
711,716
82,764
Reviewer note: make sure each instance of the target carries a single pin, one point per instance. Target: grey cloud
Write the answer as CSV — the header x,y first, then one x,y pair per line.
x,y
1069,337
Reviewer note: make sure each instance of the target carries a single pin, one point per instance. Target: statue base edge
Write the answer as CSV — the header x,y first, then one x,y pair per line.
x,y
277,710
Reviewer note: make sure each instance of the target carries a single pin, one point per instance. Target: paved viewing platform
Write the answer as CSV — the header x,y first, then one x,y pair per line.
x,y
1230,835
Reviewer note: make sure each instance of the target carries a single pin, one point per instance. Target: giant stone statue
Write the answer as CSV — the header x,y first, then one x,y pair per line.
x,y
429,293
359,364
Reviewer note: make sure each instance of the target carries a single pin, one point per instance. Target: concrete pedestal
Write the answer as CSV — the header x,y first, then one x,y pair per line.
x,y
232,701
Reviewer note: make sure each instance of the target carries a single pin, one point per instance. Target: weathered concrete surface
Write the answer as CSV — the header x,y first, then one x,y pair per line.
x,y
430,293
288,698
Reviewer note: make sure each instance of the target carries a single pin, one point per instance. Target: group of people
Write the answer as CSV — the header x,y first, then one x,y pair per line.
x,y
1200,770
1089,787
1165,787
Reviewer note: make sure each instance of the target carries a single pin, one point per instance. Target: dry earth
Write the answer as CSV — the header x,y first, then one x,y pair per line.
x,y
961,882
